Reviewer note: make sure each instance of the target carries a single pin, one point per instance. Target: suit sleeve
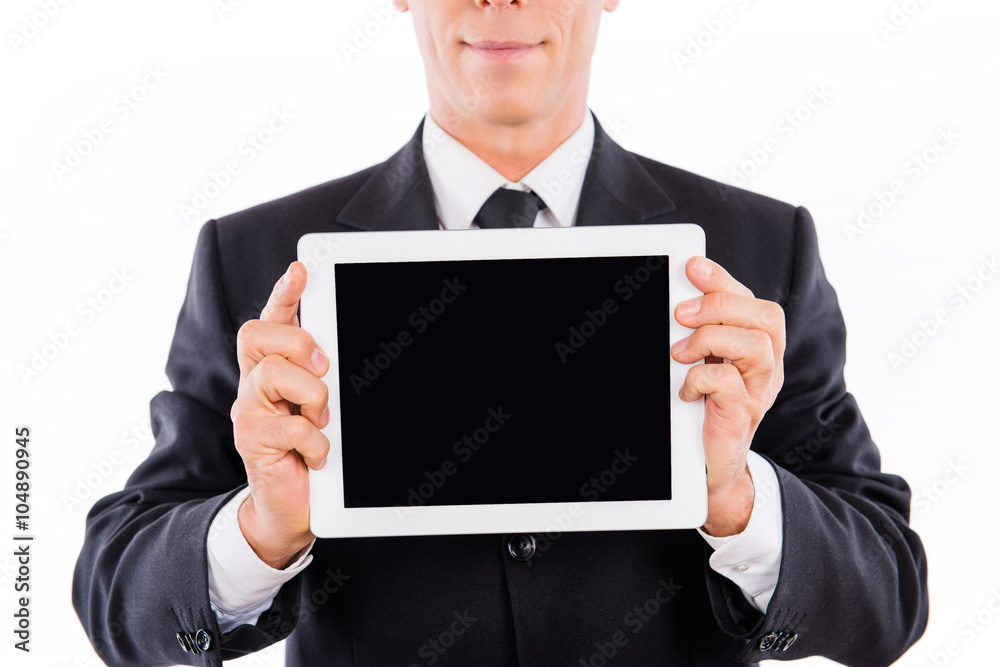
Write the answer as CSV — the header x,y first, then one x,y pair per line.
x,y
853,580
140,586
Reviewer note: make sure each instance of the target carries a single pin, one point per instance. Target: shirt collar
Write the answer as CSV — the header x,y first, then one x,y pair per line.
x,y
462,181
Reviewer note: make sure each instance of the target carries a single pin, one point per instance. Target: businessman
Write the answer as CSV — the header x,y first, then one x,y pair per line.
x,y
206,554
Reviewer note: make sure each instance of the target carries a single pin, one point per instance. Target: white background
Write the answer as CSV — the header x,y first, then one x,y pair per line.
x,y
64,236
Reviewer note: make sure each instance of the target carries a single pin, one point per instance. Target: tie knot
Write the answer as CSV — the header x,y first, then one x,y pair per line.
x,y
509,208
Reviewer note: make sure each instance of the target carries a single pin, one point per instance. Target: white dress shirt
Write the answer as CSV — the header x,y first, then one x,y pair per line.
x,y
241,586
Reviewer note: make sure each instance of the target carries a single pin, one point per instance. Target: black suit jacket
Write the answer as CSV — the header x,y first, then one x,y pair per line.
x,y
852,585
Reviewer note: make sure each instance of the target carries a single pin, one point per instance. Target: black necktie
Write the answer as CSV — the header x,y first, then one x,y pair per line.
x,y
509,208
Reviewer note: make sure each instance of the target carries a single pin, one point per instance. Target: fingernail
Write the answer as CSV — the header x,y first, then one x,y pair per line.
x,y
689,307
318,359
322,464
323,418
681,344
702,268
284,278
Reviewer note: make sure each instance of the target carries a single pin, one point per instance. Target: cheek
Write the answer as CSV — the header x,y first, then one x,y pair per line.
x,y
576,40
441,55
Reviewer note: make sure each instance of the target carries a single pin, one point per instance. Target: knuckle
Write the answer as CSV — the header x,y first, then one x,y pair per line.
x,y
694,378
252,387
244,430
761,340
303,343
246,332
240,411
706,334
727,373
709,375
695,340
779,312
236,415
717,301
268,366
772,314
323,448
298,428
323,394
239,432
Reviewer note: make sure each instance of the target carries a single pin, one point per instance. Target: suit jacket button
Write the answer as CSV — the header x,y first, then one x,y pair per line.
x,y
521,547
788,642
183,641
203,640
767,641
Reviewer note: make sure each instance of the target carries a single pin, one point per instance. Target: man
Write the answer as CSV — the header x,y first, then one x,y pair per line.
x,y
206,554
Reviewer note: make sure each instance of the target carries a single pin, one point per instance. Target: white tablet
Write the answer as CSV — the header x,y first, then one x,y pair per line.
x,y
504,380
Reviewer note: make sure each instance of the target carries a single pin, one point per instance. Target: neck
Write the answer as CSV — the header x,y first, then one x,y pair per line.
x,y
513,149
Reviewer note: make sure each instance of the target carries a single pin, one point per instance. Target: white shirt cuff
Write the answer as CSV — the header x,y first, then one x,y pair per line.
x,y
240,585
752,559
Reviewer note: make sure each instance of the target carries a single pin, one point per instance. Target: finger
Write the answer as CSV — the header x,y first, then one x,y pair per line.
x,y
283,304
749,350
276,379
709,276
721,382
259,338
735,310
285,433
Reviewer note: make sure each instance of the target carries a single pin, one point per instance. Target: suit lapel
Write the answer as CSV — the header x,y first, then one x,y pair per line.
x,y
398,194
617,190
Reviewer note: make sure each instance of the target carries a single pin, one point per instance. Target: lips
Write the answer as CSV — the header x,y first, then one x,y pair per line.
x,y
502,50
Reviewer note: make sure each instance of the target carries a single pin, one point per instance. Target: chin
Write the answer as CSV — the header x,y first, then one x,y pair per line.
x,y
506,109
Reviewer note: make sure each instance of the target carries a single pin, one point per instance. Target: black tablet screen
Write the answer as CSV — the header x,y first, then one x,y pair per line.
x,y
504,381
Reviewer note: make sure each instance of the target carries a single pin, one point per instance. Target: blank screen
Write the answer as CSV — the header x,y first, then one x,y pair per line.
x,y
504,381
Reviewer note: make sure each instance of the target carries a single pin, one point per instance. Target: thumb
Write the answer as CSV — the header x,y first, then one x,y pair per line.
x,y
283,304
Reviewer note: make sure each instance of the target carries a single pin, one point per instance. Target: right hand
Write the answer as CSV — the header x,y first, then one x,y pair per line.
x,y
279,411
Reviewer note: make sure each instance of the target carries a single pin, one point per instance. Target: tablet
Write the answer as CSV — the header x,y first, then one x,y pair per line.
x,y
504,380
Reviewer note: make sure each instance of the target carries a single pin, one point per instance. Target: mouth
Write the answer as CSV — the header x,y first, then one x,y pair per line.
x,y
502,50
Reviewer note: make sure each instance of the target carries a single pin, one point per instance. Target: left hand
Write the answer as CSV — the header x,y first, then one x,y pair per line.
x,y
742,338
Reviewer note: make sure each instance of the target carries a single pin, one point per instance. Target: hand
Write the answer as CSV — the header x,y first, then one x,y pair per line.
x,y
279,411
743,341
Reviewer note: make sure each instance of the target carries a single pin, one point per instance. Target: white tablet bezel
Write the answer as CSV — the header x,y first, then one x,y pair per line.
x,y
330,518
